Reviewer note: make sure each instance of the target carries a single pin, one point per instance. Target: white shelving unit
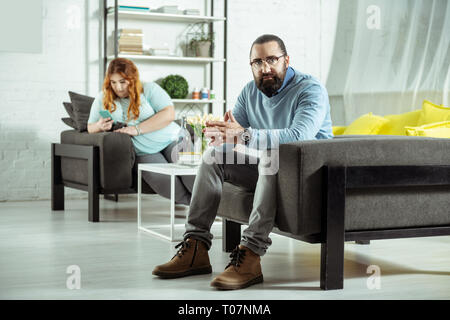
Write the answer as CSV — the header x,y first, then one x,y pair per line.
x,y
203,62
198,101
165,17
167,58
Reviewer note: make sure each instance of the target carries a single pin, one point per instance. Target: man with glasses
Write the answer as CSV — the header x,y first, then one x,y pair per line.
x,y
280,105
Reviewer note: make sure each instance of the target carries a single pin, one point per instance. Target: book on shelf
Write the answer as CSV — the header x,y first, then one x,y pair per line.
x,y
131,52
137,32
130,41
127,48
128,37
130,44
134,8
131,37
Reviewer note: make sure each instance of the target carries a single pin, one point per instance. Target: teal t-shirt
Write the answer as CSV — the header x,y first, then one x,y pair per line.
x,y
153,100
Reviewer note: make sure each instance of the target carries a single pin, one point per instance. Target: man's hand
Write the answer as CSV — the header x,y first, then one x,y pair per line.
x,y
132,131
105,124
227,131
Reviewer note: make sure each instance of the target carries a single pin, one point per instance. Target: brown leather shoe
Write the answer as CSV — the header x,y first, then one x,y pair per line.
x,y
191,258
244,270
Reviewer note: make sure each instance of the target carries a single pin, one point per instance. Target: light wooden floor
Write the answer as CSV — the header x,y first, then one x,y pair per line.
x,y
38,245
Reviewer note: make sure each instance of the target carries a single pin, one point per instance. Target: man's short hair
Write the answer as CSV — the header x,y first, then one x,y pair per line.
x,y
267,38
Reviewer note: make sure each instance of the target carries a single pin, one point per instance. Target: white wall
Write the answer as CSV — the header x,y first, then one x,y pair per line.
x,y
33,86
32,89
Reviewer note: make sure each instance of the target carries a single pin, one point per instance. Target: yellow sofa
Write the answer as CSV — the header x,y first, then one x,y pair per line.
x,y
430,121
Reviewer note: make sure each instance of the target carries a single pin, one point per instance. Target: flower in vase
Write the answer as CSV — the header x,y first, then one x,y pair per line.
x,y
198,123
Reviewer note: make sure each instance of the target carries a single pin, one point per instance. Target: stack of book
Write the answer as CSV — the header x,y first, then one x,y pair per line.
x,y
131,41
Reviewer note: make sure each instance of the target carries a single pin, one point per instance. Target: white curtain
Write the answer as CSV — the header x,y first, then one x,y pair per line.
x,y
400,56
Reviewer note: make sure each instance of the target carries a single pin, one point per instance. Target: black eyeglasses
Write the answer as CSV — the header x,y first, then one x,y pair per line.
x,y
271,61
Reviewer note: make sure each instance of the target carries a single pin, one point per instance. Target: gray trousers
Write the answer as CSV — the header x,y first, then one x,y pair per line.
x,y
208,191
160,183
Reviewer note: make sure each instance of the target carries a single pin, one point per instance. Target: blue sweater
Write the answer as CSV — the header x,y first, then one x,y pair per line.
x,y
299,111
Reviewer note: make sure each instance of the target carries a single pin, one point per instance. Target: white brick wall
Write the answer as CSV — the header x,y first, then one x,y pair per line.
x,y
32,89
33,86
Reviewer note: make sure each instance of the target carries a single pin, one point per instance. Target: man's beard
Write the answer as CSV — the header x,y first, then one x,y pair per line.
x,y
270,86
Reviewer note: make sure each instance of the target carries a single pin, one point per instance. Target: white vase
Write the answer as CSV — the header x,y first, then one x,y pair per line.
x,y
203,48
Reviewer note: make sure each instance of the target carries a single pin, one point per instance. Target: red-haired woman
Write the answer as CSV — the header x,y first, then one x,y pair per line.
x,y
149,114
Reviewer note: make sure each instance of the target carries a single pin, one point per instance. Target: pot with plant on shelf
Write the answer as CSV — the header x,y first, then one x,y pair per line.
x,y
201,44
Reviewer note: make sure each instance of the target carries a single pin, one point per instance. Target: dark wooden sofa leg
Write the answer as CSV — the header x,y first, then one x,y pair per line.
x,y
333,227
94,212
112,197
231,235
362,241
57,188
93,190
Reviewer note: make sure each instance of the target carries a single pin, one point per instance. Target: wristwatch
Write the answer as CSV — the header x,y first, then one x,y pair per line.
x,y
246,136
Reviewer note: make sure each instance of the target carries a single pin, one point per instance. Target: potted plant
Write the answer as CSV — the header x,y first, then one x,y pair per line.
x,y
176,86
201,43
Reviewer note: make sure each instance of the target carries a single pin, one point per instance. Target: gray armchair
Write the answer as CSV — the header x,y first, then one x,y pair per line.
x,y
100,163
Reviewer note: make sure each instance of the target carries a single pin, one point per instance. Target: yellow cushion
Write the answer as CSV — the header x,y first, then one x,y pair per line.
x,y
398,122
366,124
432,113
338,130
434,130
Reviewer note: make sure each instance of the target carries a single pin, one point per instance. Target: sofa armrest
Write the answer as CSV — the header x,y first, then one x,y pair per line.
x,y
300,181
116,153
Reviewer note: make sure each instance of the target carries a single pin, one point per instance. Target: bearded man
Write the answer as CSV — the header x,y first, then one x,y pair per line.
x,y
281,105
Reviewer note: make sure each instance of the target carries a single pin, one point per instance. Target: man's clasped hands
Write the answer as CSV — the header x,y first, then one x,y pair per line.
x,y
226,131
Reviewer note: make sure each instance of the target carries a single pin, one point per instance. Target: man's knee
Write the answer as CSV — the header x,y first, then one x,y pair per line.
x,y
269,162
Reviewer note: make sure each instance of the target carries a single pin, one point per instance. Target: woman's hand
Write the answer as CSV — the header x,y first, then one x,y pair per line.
x,y
105,124
132,130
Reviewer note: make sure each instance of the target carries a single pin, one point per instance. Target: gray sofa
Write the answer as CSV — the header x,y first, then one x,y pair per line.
x,y
352,188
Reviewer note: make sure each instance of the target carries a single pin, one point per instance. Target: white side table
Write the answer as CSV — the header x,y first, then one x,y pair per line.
x,y
173,170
